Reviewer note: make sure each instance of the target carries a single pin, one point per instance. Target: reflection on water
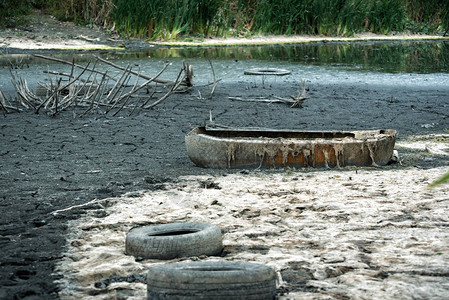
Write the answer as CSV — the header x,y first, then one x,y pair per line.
x,y
389,57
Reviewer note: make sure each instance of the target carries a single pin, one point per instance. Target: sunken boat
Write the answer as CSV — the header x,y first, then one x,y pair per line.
x,y
271,148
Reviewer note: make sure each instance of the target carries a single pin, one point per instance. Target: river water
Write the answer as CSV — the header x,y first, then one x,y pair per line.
x,y
386,63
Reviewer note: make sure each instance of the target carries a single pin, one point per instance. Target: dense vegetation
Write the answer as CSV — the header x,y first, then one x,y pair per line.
x,y
173,18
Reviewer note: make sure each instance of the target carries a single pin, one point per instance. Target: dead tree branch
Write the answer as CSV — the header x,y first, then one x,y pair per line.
x,y
301,97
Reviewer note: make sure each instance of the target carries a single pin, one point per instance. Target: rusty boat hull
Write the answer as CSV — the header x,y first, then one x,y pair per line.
x,y
243,148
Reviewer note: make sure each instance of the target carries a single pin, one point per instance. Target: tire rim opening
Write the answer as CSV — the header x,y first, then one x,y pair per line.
x,y
170,233
267,71
212,269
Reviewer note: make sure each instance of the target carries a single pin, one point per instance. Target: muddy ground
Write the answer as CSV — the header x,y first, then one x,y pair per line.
x,y
52,163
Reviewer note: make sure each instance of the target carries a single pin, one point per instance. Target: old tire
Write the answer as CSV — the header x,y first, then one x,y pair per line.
x,y
267,71
211,280
168,241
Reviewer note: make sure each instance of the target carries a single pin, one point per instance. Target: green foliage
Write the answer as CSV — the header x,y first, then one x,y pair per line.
x,y
12,12
441,180
166,18
430,15
80,11
386,16
169,19
326,17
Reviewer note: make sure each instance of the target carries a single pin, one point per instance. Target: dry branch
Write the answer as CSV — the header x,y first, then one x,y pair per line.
x,y
299,99
57,96
3,103
174,87
155,79
266,100
293,102
213,74
71,64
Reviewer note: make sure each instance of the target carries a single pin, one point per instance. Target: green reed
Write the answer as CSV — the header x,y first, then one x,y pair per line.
x,y
11,12
427,15
329,17
167,19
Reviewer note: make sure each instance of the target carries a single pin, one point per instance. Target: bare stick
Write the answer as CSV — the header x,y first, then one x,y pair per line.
x,y
188,78
127,97
210,83
25,102
73,67
62,74
136,73
299,99
213,74
147,82
149,98
121,90
54,213
72,64
266,100
117,85
3,106
79,75
56,90
174,87
57,95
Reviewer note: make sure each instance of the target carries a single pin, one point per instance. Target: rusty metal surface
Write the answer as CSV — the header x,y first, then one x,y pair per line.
x,y
243,148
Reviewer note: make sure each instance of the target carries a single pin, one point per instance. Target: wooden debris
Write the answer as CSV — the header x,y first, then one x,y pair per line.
x,y
299,99
213,74
90,88
293,101
3,103
262,99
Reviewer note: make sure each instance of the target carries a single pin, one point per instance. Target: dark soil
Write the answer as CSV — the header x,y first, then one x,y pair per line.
x,y
51,163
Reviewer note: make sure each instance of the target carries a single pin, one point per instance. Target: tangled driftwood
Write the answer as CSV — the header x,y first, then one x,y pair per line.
x,y
292,101
87,87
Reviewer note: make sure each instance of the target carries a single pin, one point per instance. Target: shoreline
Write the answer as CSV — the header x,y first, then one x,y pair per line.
x,y
16,44
45,32
297,39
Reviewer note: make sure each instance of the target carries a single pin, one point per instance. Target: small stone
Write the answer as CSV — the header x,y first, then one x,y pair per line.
x,y
332,259
39,223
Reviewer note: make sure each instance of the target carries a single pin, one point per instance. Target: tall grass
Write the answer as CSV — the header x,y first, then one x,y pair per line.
x,y
168,19
427,15
80,11
12,12
328,17
386,16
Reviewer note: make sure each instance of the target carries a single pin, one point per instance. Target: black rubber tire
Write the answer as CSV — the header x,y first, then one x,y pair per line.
x,y
267,71
168,241
211,280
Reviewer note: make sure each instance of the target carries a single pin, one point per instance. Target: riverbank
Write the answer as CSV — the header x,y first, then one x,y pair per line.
x,y
44,32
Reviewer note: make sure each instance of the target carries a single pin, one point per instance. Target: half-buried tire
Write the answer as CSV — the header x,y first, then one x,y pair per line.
x,y
168,241
267,71
211,280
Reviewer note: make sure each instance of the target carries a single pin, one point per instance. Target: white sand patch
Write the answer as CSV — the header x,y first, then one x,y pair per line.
x,y
364,234
295,39
434,143
68,44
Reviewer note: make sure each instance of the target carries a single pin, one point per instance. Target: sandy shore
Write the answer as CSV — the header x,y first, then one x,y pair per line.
x,y
298,39
356,234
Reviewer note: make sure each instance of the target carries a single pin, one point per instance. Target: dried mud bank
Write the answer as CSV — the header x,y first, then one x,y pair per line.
x,y
49,164
365,234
